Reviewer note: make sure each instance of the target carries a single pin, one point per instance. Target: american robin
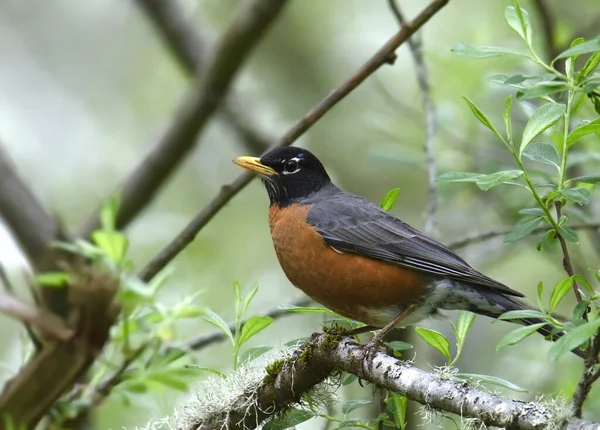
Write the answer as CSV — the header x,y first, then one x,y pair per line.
x,y
360,261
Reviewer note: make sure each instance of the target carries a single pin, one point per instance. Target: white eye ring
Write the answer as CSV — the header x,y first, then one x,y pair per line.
x,y
291,166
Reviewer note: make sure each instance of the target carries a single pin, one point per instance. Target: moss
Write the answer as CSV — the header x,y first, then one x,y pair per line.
x,y
273,370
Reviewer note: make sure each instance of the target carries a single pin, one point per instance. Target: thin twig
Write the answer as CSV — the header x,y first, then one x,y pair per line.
x,y
591,373
491,234
209,89
381,57
567,265
415,44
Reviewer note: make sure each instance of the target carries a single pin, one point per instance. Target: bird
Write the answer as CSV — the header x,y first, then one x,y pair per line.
x,y
357,259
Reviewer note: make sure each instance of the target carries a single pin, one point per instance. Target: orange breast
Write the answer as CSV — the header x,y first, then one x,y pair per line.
x,y
345,283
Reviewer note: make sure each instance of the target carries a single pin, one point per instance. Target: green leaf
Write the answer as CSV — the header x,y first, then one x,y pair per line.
x,y
583,48
573,338
513,81
481,52
518,20
482,118
518,335
397,406
398,345
507,119
348,424
248,298
542,89
292,417
352,405
540,291
349,379
435,339
485,182
593,179
253,326
253,353
543,153
458,177
307,309
215,320
559,292
532,211
488,379
390,198
108,213
589,66
543,118
579,195
568,234
169,381
583,130
205,369
53,279
113,243
521,314
522,230
463,325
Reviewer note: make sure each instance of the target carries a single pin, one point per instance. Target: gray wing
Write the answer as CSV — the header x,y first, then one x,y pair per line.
x,y
352,224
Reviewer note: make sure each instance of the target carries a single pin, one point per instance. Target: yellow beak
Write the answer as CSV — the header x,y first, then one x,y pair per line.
x,y
253,163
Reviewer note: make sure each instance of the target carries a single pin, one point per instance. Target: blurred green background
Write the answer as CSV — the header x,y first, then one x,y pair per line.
x,y
87,87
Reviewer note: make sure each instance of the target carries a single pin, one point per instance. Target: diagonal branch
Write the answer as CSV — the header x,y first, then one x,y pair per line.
x,y
323,356
415,45
384,55
207,92
29,222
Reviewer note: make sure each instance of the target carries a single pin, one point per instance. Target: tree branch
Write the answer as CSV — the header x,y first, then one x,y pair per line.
x,y
190,51
323,356
209,89
591,373
382,56
415,44
29,222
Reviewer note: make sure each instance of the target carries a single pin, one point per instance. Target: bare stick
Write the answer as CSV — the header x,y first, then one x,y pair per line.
x,y
567,265
28,220
591,373
317,359
209,89
44,321
415,44
381,57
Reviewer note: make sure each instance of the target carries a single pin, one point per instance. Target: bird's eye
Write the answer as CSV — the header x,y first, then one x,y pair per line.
x,y
290,166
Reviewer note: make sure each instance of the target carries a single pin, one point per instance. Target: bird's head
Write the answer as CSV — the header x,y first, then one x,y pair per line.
x,y
290,174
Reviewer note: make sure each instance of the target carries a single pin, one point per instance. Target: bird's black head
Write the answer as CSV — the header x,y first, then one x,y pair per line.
x,y
289,174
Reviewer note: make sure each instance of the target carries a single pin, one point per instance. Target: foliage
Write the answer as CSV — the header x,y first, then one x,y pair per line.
x,y
542,159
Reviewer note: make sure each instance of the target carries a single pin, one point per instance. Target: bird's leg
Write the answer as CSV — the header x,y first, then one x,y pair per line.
x,y
370,347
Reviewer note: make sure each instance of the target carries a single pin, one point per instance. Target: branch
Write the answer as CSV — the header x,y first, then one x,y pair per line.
x,y
548,24
384,55
32,227
591,373
186,46
415,45
209,89
323,356
567,265
29,315
29,222
60,364
482,237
